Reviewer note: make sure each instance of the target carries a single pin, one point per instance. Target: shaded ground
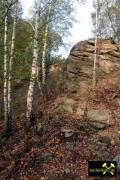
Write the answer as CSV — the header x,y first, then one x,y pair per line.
x,y
23,156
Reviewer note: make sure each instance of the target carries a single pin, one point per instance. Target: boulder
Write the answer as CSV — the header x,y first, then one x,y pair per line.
x,y
102,115
98,118
67,104
67,132
105,139
80,111
98,125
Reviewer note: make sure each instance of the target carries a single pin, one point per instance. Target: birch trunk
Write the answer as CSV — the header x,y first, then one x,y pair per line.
x,y
11,62
44,56
95,50
6,122
44,63
29,113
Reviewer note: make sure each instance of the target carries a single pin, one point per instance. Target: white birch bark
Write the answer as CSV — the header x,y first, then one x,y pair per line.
x,y
43,56
44,53
5,74
34,67
95,50
11,60
38,81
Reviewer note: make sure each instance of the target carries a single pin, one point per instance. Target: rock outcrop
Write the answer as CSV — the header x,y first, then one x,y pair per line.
x,y
81,59
79,79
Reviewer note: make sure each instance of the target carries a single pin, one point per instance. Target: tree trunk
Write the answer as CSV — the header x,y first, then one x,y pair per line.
x,y
11,62
95,51
6,121
44,64
44,75
29,113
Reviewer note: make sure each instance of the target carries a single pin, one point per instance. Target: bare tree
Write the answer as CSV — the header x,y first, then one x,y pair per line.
x,y
6,122
44,86
29,114
11,60
7,119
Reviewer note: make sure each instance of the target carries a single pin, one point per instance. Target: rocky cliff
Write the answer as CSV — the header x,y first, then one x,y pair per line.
x,y
78,97
81,59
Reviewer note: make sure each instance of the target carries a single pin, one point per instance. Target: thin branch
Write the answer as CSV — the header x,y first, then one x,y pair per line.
x,y
30,23
9,6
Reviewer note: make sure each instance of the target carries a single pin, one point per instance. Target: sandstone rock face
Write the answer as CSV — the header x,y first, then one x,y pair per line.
x,y
81,60
78,78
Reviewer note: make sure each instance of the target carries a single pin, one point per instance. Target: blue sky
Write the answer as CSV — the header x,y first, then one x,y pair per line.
x,y
80,31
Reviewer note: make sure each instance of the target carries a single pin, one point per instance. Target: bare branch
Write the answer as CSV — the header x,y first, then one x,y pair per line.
x,y
9,6
111,21
30,23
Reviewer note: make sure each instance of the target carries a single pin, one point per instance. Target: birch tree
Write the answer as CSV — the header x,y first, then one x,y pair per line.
x,y
44,86
109,15
6,120
29,113
7,71
95,50
11,60
57,23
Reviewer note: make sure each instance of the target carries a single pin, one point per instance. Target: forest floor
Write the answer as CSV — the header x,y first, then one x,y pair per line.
x,y
27,155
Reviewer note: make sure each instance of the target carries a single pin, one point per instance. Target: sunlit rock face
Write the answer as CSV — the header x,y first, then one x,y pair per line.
x,y
77,97
77,72
81,60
